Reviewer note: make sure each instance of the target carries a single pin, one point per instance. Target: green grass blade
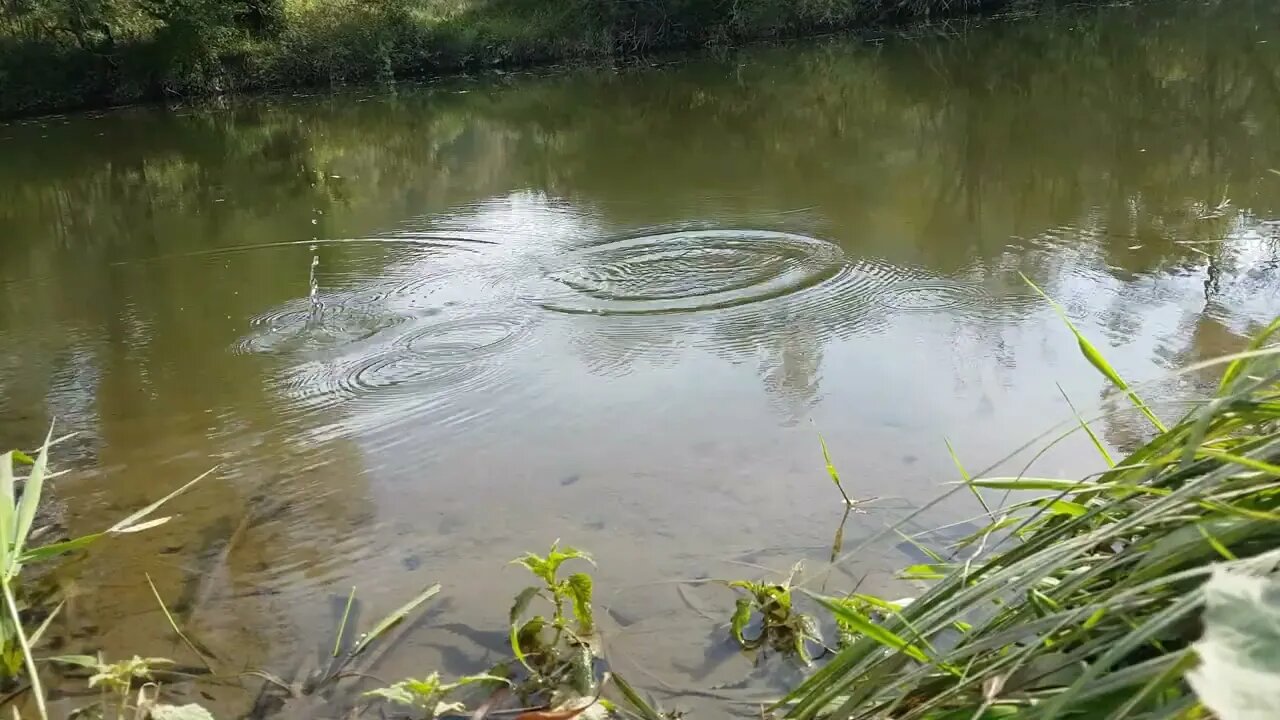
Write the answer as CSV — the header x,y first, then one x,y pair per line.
x,y
136,522
837,541
864,625
342,625
390,621
644,709
1185,660
831,470
1251,463
33,671
1097,359
1216,544
28,505
1097,442
1031,483
1237,366
964,475
48,552
7,511
1064,507
174,625
44,626
920,546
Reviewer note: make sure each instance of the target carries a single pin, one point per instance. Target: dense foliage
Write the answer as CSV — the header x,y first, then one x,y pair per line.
x,y
66,53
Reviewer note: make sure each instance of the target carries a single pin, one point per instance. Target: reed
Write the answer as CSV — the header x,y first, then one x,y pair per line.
x,y
1085,600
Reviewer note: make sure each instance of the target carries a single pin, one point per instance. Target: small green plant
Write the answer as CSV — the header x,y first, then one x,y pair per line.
x,y
551,651
430,693
832,471
116,681
562,674
783,628
575,589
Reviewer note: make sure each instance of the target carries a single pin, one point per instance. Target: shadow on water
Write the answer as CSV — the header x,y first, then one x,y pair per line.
x,y
438,325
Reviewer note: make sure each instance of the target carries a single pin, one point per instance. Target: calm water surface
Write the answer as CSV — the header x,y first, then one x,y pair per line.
x,y
423,330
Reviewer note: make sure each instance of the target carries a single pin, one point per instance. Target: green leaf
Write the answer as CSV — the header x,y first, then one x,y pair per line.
x,y
1064,507
537,566
527,634
1239,672
396,693
580,591
522,603
880,603
84,661
927,571
558,557
473,679
741,617
864,625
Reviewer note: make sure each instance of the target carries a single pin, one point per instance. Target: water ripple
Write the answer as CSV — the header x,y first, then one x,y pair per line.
x,y
423,371
934,295
689,271
292,328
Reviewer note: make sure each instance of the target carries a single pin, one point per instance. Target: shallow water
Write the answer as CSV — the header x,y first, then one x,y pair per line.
x,y
424,329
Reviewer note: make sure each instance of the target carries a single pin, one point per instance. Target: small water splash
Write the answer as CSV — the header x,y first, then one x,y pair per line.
x,y
317,305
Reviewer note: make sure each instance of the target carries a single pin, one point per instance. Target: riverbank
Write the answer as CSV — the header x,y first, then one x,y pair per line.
x,y
61,56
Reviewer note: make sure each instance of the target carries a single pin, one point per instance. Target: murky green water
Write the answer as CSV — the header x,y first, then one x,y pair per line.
x,y
604,306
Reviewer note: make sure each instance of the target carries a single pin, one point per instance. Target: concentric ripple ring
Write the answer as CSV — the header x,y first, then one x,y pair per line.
x,y
689,271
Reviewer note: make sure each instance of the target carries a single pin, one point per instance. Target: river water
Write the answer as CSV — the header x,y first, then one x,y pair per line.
x,y
422,329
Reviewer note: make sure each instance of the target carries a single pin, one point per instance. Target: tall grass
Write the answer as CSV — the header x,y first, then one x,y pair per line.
x,y
17,518
1084,601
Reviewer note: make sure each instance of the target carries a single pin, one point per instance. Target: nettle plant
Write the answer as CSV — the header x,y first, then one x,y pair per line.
x,y
548,646
782,627
431,693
